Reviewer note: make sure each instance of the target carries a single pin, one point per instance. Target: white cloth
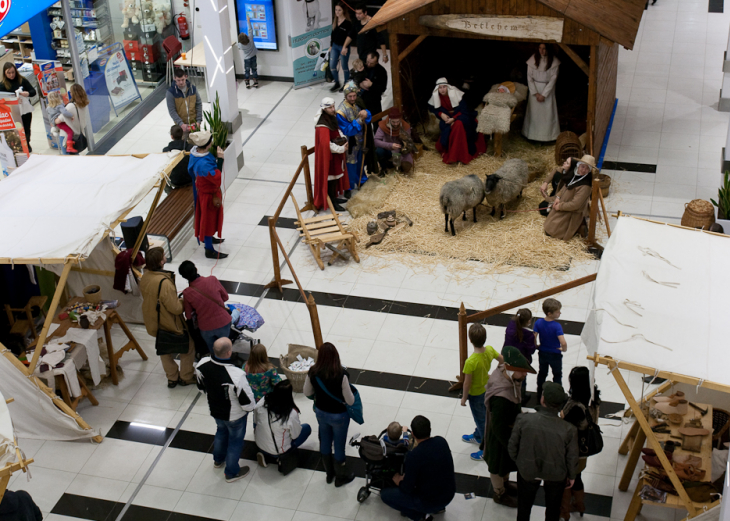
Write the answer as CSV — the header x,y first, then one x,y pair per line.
x,y
455,95
26,107
75,201
284,432
87,338
541,118
78,123
7,438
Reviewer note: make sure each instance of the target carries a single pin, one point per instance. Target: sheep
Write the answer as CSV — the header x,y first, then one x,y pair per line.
x,y
506,184
458,196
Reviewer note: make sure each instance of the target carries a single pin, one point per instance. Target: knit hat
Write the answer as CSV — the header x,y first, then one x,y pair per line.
x,y
394,113
516,361
554,395
350,87
201,138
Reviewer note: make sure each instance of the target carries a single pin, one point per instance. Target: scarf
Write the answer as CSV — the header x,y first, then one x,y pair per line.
x,y
325,120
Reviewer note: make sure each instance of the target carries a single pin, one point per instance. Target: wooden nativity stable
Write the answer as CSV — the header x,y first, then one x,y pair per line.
x,y
477,34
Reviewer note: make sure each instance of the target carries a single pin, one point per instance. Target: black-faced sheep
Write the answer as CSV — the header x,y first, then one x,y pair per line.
x,y
506,184
458,196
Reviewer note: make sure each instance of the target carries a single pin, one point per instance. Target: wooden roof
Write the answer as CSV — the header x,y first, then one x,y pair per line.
x,y
615,20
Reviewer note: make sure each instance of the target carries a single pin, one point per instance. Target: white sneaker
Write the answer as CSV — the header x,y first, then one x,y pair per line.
x,y
261,460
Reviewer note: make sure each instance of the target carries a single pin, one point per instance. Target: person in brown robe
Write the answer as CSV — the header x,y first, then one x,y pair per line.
x,y
570,204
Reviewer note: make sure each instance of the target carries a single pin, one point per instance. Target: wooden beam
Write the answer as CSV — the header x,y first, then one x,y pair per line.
x,y
402,56
593,212
92,271
694,230
153,206
577,59
592,90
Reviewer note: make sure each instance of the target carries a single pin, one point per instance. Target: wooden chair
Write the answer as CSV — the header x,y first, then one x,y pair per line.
x,y
21,326
323,231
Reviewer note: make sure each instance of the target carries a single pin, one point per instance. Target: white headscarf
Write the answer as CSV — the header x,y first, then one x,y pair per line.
x,y
326,102
455,94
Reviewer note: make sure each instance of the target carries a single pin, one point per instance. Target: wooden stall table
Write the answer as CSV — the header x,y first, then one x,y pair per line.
x,y
112,317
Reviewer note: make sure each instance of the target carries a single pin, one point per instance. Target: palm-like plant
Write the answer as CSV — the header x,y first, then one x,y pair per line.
x,y
216,125
723,198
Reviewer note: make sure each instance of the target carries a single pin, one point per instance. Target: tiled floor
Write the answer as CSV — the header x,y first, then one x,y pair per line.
x,y
398,321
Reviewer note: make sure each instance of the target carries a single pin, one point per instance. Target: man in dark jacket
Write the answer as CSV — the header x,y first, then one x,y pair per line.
x,y
373,86
545,448
183,103
230,399
367,41
179,176
429,482
19,506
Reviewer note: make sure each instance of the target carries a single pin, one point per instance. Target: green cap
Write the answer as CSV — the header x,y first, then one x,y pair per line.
x,y
554,395
516,361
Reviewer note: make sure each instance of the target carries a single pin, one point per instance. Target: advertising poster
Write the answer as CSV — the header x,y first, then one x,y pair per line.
x,y
50,78
12,136
310,28
263,22
119,80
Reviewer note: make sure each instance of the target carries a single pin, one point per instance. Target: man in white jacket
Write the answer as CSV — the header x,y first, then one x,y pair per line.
x,y
230,399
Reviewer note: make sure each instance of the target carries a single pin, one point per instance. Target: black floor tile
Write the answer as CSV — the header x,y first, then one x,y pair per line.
x,y
397,382
630,167
282,222
83,507
716,6
126,431
431,386
179,516
194,441
368,304
412,309
138,513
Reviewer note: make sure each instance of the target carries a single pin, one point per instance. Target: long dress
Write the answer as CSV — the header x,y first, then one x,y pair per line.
x,y
541,118
329,160
207,175
457,142
351,127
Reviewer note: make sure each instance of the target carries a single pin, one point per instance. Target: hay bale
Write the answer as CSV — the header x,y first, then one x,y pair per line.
x,y
371,196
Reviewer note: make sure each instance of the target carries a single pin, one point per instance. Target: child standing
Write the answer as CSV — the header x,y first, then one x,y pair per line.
x,y
520,335
260,373
476,376
247,47
55,109
552,344
358,72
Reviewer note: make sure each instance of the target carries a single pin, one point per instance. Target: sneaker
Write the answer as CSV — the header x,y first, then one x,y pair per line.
x,y
218,464
248,85
255,84
469,438
241,474
261,460
477,456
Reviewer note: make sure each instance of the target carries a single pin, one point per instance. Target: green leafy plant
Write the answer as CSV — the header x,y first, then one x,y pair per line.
x,y
216,125
723,198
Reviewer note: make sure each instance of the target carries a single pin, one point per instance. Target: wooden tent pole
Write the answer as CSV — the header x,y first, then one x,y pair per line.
x,y
145,225
307,181
49,318
408,50
395,60
592,90
463,348
314,318
595,191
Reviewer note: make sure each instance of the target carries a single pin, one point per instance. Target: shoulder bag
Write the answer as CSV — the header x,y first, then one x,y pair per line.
x,y
590,439
354,411
167,342
212,300
80,143
287,461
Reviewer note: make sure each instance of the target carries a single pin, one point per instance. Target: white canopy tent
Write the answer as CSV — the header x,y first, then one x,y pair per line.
x,y
57,212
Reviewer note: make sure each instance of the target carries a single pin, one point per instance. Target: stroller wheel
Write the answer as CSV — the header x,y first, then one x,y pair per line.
x,y
362,494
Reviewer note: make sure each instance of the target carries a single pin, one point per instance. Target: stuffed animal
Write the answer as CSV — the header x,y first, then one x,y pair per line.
x,y
148,15
163,17
131,12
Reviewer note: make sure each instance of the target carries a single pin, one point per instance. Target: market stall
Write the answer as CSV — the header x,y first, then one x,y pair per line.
x,y
658,309
59,212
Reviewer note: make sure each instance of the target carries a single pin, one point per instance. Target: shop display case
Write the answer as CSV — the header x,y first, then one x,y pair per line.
x,y
143,40
92,23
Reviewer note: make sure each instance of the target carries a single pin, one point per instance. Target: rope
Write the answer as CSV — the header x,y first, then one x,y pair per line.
x,y
672,285
636,336
629,303
613,317
648,251
697,389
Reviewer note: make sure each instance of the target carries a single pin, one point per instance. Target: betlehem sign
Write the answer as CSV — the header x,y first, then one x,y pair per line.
x,y
14,13
527,27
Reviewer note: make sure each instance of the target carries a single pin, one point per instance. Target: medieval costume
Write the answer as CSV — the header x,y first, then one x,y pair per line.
x,y
329,158
573,198
360,138
541,118
458,140
387,135
205,168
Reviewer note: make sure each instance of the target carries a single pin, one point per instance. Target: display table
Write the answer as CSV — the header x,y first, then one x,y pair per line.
x,y
59,378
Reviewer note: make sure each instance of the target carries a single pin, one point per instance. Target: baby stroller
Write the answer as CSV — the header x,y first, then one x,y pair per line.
x,y
248,320
382,461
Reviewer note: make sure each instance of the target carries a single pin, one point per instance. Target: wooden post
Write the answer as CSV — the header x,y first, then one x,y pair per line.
x,y
605,214
592,89
307,181
595,194
395,71
634,454
314,317
143,231
408,50
277,282
463,348
576,59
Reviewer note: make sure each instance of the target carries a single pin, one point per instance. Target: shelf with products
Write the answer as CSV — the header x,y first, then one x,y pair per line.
x,y
20,46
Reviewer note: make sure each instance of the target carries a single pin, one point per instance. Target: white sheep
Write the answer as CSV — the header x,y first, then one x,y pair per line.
x,y
506,184
458,196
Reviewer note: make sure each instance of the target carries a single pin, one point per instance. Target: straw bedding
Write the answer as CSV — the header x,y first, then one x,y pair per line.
x,y
517,240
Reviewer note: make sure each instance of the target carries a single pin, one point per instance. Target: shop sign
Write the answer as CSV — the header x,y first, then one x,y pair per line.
x,y
525,27
12,136
14,13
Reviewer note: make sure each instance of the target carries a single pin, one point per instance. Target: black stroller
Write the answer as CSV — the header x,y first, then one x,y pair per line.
x,y
382,461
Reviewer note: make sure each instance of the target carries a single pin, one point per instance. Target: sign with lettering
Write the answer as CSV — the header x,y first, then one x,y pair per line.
x,y
527,27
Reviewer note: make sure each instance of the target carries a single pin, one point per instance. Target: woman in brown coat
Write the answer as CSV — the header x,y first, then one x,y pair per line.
x,y
571,202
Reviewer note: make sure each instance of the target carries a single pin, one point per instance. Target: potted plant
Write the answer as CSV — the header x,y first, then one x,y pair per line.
x,y
216,125
723,198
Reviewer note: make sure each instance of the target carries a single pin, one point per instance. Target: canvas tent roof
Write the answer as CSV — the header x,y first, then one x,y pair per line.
x,y
659,300
57,207
615,20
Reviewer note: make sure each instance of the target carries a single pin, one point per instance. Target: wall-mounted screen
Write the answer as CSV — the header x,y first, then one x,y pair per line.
x,y
263,22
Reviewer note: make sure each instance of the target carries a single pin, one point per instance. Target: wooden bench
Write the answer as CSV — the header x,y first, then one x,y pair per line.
x,y
173,218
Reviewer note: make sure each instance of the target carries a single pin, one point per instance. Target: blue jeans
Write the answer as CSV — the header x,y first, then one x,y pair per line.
x,y
306,432
228,443
479,413
332,430
335,56
250,65
553,361
410,506
214,334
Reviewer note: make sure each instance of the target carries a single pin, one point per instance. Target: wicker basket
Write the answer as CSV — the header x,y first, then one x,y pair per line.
x,y
567,145
604,181
296,377
698,213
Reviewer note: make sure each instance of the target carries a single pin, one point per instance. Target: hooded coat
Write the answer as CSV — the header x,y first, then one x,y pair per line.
x,y
205,169
574,205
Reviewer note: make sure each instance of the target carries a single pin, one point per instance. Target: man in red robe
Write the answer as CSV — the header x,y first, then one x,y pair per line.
x,y
206,170
330,146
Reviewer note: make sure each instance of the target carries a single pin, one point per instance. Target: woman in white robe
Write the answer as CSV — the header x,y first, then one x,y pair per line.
x,y
541,117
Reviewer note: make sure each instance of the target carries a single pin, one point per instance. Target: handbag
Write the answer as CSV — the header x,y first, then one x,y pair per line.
x,y
167,342
590,440
287,461
80,143
354,411
213,300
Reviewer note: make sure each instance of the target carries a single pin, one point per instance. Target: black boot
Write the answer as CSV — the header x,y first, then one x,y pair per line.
x,y
329,467
342,476
212,254
335,87
332,193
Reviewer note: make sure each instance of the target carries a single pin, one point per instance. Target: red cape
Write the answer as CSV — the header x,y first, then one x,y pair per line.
x,y
208,218
326,164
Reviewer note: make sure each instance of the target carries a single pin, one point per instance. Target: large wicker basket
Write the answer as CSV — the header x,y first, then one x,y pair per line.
x,y
604,181
296,377
698,213
567,145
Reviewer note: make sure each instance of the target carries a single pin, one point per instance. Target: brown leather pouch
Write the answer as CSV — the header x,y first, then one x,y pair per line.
x,y
217,202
